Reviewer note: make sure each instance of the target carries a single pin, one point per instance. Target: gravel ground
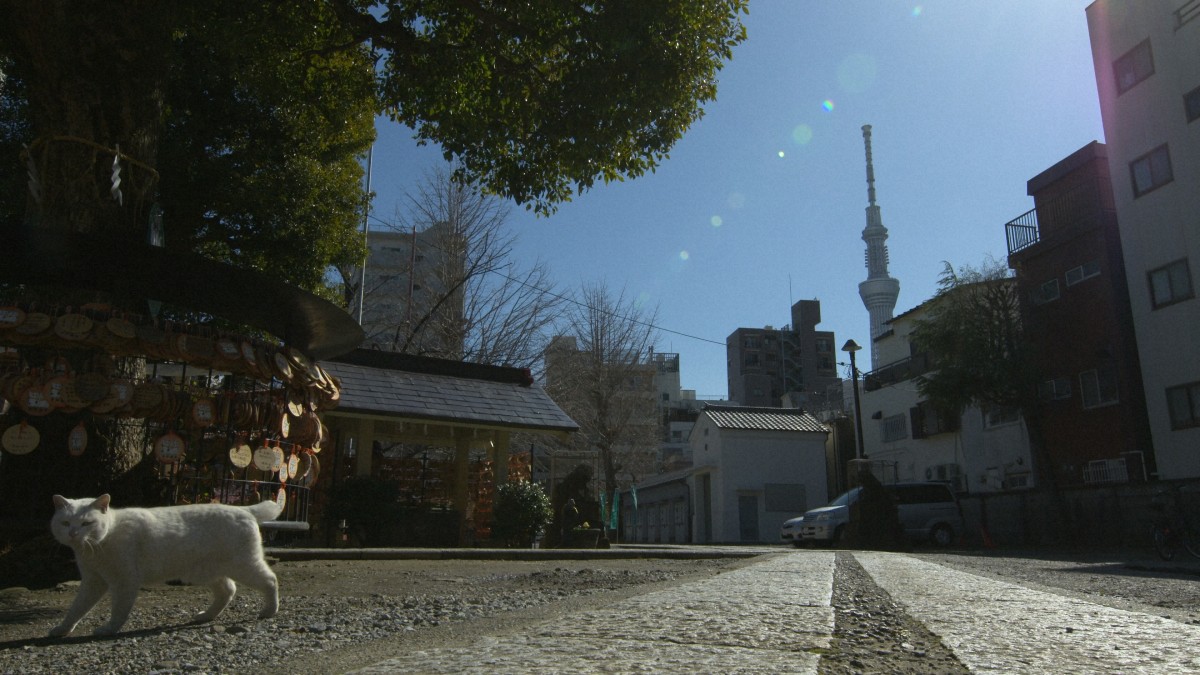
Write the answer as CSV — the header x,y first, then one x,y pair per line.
x,y
340,615
333,615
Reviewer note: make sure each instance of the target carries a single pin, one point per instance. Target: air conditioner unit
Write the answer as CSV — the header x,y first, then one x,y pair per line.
x,y
947,472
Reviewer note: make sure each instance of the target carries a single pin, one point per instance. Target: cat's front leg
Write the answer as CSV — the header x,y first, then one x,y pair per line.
x,y
123,597
91,589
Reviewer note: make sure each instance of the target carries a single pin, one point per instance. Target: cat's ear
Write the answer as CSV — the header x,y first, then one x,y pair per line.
x,y
60,502
101,503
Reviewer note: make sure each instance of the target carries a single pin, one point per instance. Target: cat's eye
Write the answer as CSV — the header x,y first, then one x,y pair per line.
x,y
66,523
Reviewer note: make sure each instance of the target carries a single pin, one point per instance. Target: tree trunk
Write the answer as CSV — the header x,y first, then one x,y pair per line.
x,y
95,81
94,73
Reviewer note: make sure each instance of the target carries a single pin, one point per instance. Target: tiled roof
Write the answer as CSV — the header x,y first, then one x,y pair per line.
x,y
445,391
764,419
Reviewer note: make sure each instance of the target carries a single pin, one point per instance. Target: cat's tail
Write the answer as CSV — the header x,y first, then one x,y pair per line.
x,y
265,510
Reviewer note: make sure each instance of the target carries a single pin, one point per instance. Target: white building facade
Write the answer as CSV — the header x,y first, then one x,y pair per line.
x,y
906,439
1146,55
754,469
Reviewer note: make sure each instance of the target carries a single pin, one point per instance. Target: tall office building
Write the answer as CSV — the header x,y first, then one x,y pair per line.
x,y
413,301
879,291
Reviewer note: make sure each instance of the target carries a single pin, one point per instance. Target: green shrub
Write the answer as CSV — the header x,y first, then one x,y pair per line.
x,y
521,511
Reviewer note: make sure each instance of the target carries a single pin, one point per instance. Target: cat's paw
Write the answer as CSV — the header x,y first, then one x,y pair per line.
x,y
61,630
268,612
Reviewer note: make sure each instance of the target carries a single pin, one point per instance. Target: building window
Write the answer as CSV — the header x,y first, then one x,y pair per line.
x,y
1098,387
1151,171
823,345
1047,292
751,360
928,420
1055,390
1183,404
1085,271
1191,104
997,417
1170,284
894,428
1136,65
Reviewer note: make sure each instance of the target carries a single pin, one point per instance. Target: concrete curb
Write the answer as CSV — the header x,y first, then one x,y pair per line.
x,y
615,553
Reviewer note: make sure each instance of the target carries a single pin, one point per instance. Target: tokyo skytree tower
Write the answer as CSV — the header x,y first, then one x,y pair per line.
x,y
879,291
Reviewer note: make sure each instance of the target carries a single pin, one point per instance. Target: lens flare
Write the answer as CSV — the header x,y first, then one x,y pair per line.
x,y
716,221
827,105
683,255
802,134
781,154
917,10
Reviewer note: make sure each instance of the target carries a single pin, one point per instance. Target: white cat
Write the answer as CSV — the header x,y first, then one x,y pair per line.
x,y
118,550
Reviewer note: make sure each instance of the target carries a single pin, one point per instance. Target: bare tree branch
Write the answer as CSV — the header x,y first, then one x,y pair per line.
x,y
475,302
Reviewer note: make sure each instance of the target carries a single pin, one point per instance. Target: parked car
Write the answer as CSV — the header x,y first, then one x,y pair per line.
x,y
929,512
790,532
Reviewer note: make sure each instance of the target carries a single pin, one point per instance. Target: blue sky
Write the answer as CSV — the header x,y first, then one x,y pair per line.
x,y
762,202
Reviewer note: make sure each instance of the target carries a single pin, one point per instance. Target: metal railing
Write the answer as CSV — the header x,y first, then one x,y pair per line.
x,y
1186,12
201,489
897,371
1105,471
1022,231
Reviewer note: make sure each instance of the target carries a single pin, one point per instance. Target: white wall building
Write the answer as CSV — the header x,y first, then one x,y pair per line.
x,y
975,453
1146,54
754,468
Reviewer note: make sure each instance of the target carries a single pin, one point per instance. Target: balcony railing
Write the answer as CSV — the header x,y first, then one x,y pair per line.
x,y
897,371
1022,231
1186,12
1080,207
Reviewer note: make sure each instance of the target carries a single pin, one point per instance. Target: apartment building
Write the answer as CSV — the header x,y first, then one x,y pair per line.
x,y
1146,55
908,439
798,361
410,289
1071,279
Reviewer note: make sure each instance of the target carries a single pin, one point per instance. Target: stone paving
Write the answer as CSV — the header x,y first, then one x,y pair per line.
x,y
1000,627
775,616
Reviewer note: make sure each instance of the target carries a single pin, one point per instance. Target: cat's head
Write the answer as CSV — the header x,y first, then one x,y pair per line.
x,y
80,523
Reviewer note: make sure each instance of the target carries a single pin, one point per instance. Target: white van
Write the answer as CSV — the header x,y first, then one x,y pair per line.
x,y
929,512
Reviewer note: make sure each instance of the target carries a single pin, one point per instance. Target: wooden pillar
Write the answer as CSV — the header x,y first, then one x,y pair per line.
x,y
500,458
462,465
364,440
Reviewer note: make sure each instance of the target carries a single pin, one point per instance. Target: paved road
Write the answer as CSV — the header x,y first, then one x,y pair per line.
x,y
774,616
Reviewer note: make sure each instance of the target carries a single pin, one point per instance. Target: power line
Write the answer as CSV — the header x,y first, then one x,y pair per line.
x,y
604,311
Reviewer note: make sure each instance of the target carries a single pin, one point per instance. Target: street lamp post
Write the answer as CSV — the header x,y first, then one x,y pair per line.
x,y
851,347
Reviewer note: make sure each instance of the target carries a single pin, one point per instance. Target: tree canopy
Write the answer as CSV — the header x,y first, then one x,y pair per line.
x,y
974,337
246,117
